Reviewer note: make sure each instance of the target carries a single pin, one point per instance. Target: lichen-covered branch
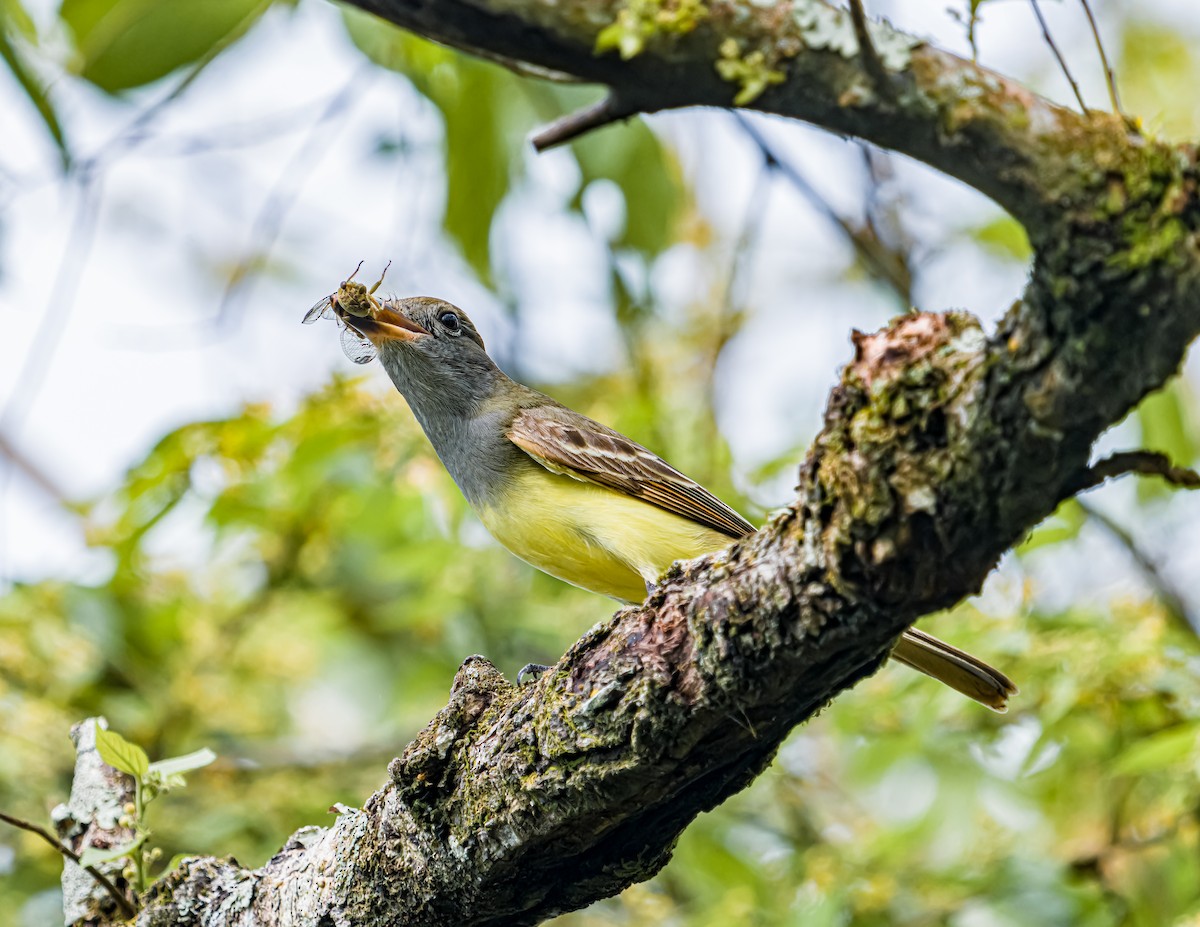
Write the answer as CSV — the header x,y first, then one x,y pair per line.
x,y
92,818
941,446
797,58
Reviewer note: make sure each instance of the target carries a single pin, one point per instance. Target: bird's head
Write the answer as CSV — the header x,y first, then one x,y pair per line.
x,y
432,327
426,345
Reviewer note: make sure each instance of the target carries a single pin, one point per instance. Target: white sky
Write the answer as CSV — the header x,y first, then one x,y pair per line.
x,y
119,324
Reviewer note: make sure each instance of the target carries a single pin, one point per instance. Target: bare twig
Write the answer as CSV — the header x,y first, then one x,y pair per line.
x,y
735,286
61,300
872,63
730,304
972,30
601,113
136,132
1062,62
878,260
31,471
126,906
882,222
1109,77
1145,463
970,20
1164,590
265,228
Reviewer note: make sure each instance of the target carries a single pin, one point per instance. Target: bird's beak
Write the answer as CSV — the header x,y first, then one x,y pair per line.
x,y
384,325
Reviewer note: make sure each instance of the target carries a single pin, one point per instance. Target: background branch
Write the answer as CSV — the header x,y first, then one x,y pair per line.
x,y
1172,601
127,909
1058,56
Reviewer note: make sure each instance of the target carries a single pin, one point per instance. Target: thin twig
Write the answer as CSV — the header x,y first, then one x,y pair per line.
x,y
601,113
972,30
752,221
126,906
1062,62
882,224
136,131
1164,590
60,301
265,228
31,471
872,63
1145,463
269,221
1109,77
730,306
873,255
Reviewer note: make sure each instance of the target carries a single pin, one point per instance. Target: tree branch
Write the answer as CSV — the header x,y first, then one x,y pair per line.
x,y
91,819
942,445
602,113
972,123
123,904
1144,463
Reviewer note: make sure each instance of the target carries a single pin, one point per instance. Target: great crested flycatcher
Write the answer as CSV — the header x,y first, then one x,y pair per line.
x,y
564,493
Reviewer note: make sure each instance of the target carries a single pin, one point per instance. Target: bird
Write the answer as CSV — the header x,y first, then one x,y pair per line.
x,y
568,495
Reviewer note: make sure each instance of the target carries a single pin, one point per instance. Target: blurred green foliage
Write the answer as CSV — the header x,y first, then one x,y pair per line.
x,y
340,581
487,113
295,589
120,44
1158,69
1004,236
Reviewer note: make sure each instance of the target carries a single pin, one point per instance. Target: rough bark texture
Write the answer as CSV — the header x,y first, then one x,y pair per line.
x,y
942,445
91,819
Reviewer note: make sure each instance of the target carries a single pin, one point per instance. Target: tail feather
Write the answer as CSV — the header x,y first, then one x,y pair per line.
x,y
956,668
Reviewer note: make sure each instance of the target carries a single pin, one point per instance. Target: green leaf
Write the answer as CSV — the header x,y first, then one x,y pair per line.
x,y
631,155
127,43
173,864
1158,71
1159,751
485,113
16,19
94,856
1063,525
178,765
33,89
120,754
1166,423
1005,237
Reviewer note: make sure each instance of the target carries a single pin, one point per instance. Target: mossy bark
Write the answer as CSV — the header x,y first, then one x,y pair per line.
x,y
942,445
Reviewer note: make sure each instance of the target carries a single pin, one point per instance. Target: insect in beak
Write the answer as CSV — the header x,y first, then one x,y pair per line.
x,y
365,321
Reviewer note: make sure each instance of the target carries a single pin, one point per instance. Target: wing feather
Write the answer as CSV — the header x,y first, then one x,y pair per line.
x,y
566,442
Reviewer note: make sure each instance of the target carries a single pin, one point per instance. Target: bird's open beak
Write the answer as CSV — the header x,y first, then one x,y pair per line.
x,y
384,325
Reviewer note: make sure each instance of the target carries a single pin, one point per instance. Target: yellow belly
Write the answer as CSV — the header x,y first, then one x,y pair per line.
x,y
593,537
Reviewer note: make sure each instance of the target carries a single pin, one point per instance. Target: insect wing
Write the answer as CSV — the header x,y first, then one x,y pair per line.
x,y
322,309
357,348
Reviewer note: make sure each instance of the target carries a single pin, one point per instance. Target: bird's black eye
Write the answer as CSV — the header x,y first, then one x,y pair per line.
x,y
451,322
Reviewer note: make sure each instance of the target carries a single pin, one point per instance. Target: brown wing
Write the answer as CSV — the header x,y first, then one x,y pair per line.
x,y
566,442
